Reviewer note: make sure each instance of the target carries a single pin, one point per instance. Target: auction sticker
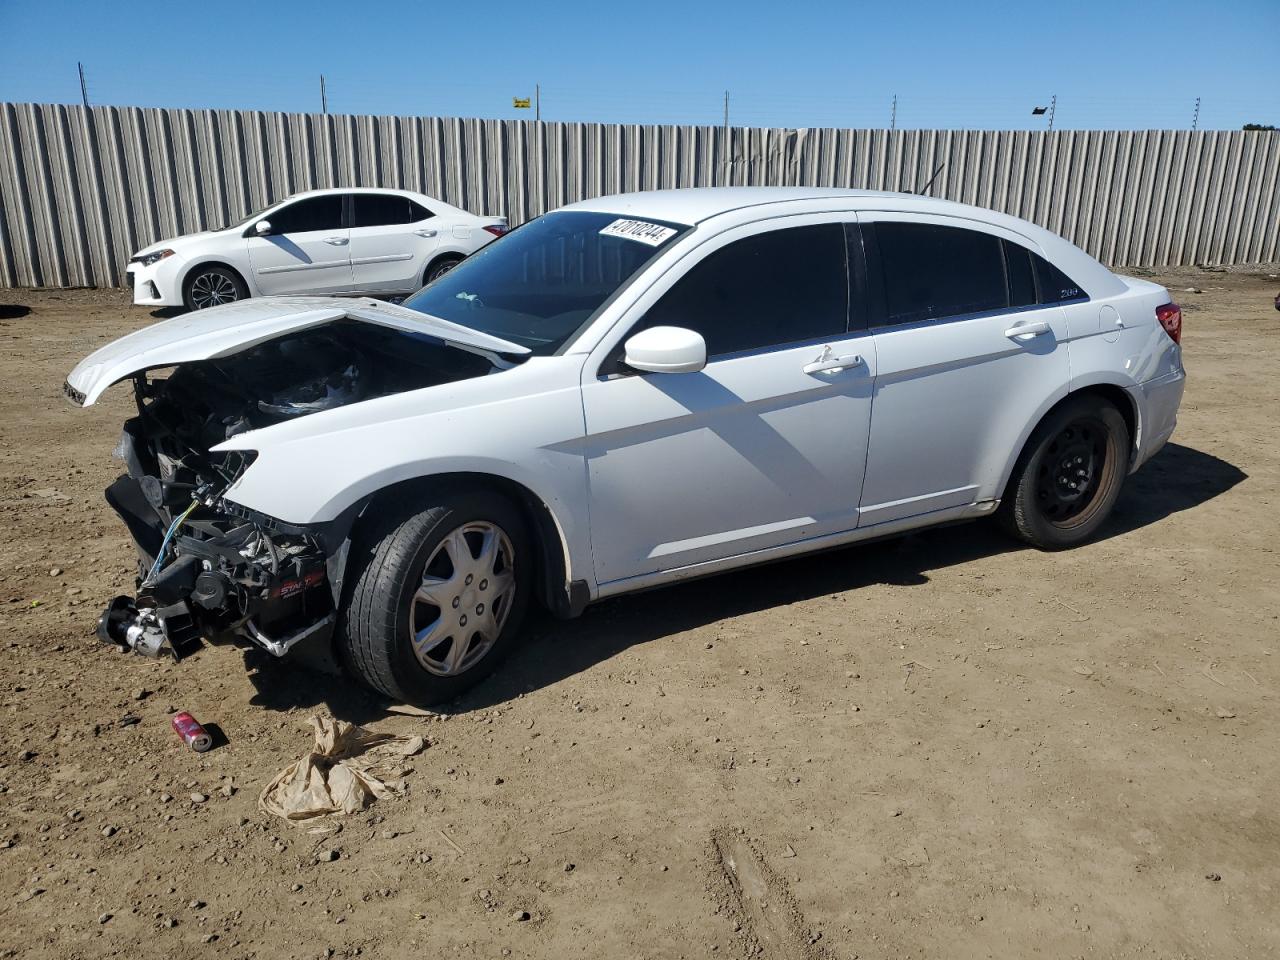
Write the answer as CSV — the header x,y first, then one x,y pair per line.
x,y
653,234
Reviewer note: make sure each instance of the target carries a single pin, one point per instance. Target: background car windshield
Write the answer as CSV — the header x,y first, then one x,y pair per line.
x,y
541,282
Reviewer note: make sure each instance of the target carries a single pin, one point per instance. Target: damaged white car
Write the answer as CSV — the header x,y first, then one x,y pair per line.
x,y
620,394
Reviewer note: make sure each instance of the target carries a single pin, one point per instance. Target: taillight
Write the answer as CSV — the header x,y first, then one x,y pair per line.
x,y
1170,317
497,229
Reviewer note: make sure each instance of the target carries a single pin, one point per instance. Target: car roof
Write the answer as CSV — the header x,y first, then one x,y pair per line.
x,y
695,205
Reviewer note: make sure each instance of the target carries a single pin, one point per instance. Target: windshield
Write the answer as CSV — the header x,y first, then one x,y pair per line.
x,y
540,283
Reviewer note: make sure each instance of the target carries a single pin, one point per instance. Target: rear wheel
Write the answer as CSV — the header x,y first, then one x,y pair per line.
x,y
1069,475
439,268
437,597
212,287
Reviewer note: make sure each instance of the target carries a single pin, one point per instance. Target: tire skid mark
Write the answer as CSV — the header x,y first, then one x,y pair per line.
x,y
770,923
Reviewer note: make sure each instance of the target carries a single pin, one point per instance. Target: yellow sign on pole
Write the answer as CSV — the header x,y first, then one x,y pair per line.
x,y
520,103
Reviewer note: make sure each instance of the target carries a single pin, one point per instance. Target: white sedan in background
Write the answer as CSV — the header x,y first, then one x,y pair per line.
x,y
384,243
621,394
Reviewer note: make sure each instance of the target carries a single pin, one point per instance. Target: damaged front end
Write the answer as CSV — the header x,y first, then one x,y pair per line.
x,y
210,568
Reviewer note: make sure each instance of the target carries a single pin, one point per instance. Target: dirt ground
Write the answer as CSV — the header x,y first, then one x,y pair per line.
x,y
940,746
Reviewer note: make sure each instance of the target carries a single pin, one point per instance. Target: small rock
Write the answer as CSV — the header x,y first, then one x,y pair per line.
x,y
788,851
141,693
296,887
327,856
30,894
520,916
893,893
568,867
228,790
171,922
1083,671
196,904
1215,877
26,756
210,937
895,812
1224,714
389,834
498,781
108,831
55,572
103,918
166,797
199,798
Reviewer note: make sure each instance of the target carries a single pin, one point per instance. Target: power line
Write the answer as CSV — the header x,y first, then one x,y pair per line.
x,y
84,90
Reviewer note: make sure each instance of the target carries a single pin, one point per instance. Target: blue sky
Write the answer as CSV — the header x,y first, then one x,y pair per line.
x,y
955,64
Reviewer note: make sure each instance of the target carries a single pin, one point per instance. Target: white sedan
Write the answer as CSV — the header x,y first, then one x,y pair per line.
x,y
623,393
385,243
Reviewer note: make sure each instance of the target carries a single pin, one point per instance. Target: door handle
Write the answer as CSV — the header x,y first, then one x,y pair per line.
x,y
1026,331
829,364
426,233
336,241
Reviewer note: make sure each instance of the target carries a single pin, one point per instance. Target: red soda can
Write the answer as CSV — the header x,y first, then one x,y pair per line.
x,y
193,735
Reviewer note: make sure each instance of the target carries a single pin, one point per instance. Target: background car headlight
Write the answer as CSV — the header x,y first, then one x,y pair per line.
x,y
147,259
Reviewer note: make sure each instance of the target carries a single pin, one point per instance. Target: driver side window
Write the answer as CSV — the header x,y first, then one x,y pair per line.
x,y
313,213
780,287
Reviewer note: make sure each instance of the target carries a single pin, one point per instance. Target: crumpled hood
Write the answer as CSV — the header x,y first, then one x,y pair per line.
x,y
234,327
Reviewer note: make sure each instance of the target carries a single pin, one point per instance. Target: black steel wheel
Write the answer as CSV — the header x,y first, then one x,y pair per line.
x,y
1069,475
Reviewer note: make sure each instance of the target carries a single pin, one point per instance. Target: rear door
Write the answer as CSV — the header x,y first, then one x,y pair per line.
x,y
966,356
306,251
765,445
392,239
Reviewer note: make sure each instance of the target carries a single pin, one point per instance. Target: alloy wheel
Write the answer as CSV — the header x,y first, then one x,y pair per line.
x,y
458,611
212,289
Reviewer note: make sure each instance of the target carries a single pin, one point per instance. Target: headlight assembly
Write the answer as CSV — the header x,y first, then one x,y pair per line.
x,y
147,259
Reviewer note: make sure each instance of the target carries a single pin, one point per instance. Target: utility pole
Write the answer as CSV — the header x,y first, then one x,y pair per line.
x,y
893,114
84,91
1053,108
324,99
1195,117
537,101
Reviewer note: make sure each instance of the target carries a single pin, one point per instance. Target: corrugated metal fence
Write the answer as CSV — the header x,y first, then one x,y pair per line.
x,y
83,189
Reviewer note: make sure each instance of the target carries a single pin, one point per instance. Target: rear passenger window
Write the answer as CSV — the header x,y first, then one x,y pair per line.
x,y
774,288
932,271
1054,285
382,210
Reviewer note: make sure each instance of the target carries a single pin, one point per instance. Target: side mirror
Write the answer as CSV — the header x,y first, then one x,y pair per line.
x,y
666,350
262,228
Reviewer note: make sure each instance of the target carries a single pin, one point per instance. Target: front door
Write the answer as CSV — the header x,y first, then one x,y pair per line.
x,y
966,356
764,446
307,250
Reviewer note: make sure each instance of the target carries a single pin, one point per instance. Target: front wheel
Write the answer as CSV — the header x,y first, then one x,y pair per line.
x,y
437,596
1069,475
212,287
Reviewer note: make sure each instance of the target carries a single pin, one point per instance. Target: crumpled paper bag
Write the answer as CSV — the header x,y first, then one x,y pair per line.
x,y
348,769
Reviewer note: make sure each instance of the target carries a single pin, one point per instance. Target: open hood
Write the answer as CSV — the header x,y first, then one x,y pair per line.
x,y
235,327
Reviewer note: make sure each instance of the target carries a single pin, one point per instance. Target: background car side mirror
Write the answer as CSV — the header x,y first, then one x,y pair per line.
x,y
262,228
666,350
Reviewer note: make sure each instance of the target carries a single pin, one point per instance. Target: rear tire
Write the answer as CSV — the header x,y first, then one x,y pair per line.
x,y
438,268
1069,475
212,287
426,572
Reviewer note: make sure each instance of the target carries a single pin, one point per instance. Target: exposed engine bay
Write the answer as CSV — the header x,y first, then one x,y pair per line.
x,y
209,568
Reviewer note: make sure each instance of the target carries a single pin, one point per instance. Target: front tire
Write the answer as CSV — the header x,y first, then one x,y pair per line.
x,y
437,596
212,287
1069,475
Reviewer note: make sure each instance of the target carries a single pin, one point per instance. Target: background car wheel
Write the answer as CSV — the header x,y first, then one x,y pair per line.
x,y
439,268
212,287
1069,475
436,597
